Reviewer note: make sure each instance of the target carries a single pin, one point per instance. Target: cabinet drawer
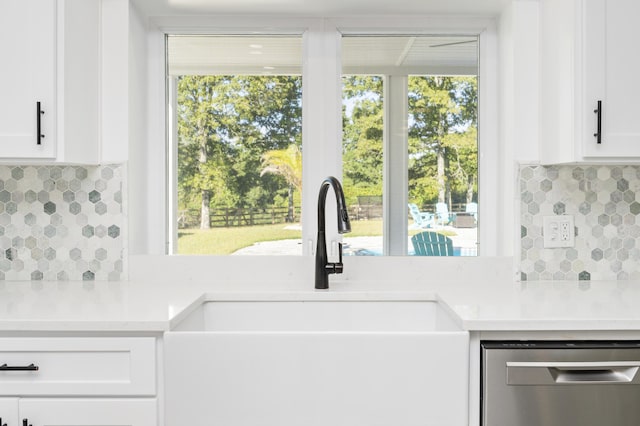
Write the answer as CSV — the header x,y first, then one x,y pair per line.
x,y
77,366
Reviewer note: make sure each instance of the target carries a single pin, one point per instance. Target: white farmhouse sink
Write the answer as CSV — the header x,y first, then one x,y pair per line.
x,y
338,363
299,316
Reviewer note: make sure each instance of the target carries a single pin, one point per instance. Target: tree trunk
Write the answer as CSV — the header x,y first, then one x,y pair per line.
x,y
470,182
442,190
205,216
447,180
291,214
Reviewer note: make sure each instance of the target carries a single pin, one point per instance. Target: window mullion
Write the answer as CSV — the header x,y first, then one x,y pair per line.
x,y
172,166
321,126
395,164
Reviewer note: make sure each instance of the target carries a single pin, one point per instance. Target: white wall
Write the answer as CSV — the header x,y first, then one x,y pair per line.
x,y
137,169
146,177
518,112
115,80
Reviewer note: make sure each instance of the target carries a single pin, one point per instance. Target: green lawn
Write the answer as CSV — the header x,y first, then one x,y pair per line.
x,y
227,240
221,241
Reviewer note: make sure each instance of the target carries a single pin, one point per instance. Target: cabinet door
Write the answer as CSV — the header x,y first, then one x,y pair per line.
x,y
83,366
611,69
89,412
27,76
9,411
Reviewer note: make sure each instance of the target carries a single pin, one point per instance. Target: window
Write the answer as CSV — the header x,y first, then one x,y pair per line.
x,y
238,110
362,161
414,97
409,142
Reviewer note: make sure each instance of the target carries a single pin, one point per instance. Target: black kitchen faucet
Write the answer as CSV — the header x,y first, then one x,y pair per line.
x,y
323,266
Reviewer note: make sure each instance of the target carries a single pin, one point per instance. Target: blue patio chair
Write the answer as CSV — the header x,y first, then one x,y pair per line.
x,y
421,220
473,209
443,217
429,243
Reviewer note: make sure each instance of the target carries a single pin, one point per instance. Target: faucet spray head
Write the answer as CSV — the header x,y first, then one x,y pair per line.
x,y
344,225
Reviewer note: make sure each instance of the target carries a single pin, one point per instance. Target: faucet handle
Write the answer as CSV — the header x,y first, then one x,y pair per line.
x,y
335,267
338,267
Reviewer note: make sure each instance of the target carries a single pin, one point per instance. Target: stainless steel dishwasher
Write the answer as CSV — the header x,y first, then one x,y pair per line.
x,y
586,383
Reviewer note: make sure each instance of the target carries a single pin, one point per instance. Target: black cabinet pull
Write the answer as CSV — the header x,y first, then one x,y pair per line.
x,y
39,114
599,112
30,367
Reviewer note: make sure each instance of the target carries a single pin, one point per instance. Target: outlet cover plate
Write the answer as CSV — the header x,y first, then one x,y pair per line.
x,y
558,231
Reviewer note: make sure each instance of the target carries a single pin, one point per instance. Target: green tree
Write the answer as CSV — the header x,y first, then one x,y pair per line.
x,y
442,137
270,110
225,124
231,129
463,165
203,130
443,116
463,143
362,135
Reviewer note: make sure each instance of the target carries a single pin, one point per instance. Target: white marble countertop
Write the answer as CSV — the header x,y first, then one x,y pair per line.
x,y
546,306
148,306
479,293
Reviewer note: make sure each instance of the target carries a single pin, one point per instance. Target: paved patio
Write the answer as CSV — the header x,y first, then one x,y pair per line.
x,y
465,239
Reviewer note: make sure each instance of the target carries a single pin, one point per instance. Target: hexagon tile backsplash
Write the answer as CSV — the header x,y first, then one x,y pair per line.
x,y
605,203
61,223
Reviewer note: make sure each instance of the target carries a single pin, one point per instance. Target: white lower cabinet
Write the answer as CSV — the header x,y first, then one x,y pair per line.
x,y
9,413
78,381
77,412
79,366
87,412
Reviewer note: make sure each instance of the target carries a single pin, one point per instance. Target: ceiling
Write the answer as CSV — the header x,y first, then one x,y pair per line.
x,y
318,8
228,55
410,54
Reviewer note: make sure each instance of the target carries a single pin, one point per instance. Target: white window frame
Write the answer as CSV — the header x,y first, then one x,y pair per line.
x,y
322,117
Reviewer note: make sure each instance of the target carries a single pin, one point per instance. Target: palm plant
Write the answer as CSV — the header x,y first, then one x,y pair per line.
x,y
288,164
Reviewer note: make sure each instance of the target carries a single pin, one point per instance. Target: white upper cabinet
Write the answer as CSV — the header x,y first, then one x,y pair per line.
x,y
79,81
27,77
611,69
71,56
588,54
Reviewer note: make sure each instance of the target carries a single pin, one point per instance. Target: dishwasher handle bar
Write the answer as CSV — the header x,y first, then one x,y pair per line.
x,y
573,373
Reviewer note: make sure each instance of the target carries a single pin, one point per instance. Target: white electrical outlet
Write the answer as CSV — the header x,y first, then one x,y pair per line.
x,y
558,231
